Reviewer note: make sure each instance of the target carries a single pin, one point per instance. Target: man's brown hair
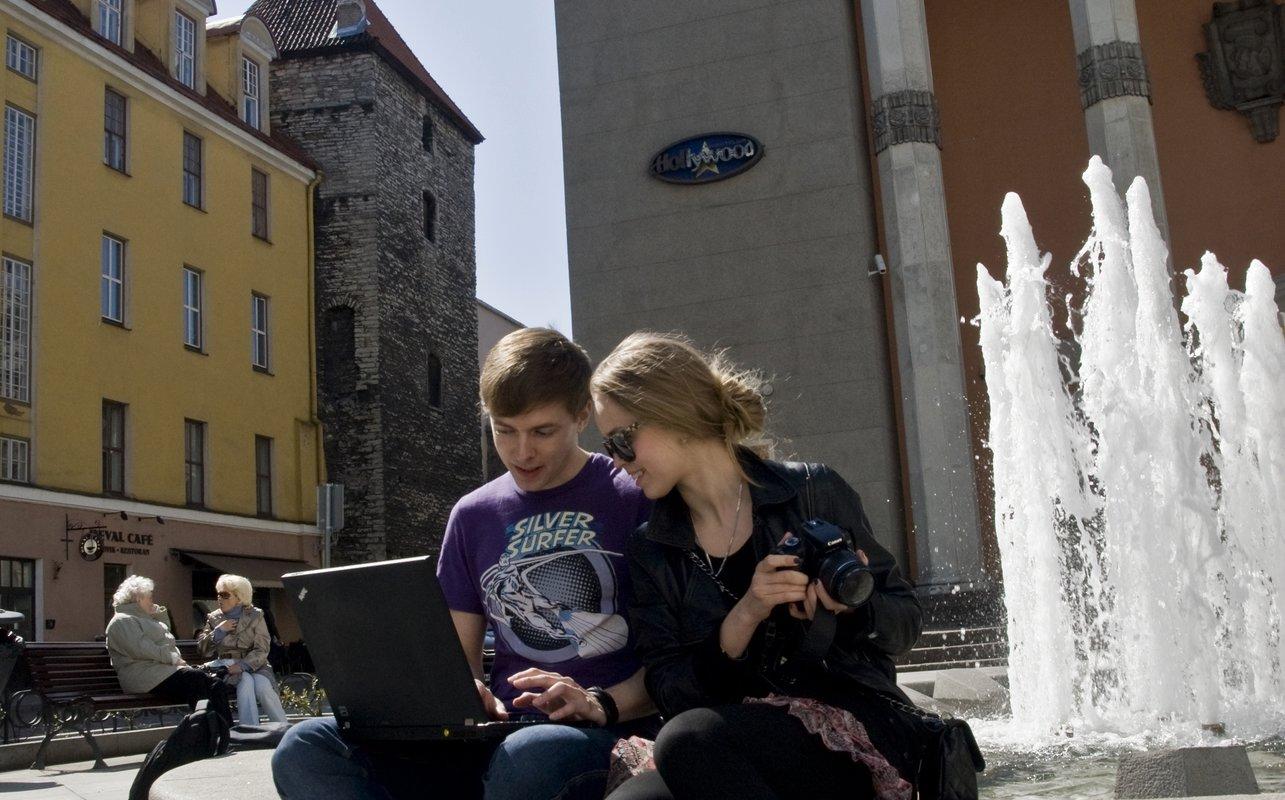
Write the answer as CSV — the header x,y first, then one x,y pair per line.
x,y
531,367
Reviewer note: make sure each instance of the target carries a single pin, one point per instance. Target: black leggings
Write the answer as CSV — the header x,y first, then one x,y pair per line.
x,y
189,685
750,752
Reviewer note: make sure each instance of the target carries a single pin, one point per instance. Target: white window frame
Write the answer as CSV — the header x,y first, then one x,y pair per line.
x,y
15,460
266,233
251,92
112,279
21,57
116,160
193,304
108,488
110,16
260,332
19,153
15,330
264,502
185,44
202,482
194,180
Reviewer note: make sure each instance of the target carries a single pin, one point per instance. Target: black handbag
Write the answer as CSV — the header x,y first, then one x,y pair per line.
x,y
201,734
949,758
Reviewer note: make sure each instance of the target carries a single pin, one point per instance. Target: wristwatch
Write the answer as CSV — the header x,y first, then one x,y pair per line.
x,y
608,703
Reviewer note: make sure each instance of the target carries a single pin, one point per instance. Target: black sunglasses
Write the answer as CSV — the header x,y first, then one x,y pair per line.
x,y
224,595
621,443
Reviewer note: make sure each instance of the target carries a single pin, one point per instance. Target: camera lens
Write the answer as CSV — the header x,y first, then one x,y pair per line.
x,y
846,579
853,586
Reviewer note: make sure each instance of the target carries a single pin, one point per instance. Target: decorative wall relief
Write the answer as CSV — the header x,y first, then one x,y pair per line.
x,y
1244,69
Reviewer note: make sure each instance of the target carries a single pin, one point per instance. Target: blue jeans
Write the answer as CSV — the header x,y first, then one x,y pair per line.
x,y
542,762
254,692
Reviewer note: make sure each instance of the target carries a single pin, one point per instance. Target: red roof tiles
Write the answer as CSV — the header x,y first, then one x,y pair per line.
x,y
148,62
304,27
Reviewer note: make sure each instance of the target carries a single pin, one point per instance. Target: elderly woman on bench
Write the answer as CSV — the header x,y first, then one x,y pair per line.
x,y
236,634
145,656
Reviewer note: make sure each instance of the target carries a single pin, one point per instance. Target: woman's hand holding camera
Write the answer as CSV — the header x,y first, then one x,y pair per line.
x,y
776,580
817,594
560,697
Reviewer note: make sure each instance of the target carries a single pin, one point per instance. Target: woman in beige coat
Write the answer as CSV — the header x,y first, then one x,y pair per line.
x,y
237,636
145,656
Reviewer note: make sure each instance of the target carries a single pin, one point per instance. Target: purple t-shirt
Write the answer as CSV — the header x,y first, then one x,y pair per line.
x,y
548,570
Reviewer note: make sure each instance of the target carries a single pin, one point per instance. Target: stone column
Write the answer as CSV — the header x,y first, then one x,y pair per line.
x,y
926,317
1115,92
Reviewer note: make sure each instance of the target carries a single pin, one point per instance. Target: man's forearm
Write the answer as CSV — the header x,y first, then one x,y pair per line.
x,y
631,697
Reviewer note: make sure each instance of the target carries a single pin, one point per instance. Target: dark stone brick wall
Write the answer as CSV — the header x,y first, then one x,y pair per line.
x,y
403,462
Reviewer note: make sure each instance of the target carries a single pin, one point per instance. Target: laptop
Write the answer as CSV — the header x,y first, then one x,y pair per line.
x,y
386,652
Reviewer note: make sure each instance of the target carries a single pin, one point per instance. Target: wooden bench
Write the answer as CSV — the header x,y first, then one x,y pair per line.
x,y
75,681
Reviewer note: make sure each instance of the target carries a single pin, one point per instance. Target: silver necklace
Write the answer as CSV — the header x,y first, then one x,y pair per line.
x,y
740,494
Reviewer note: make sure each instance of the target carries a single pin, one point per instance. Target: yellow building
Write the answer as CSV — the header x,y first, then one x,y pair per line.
x,y
157,375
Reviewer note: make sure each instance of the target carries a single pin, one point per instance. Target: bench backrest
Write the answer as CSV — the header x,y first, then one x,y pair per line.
x,y
79,667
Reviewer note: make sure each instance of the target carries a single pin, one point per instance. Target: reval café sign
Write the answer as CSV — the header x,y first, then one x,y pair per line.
x,y
706,158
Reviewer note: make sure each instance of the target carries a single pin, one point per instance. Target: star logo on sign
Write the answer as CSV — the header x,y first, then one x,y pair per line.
x,y
705,160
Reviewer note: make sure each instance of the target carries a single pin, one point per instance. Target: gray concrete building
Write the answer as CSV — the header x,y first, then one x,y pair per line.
x,y
492,326
395,270
778,263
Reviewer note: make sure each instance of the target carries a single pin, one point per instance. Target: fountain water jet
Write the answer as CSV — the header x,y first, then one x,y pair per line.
x,y
1139,504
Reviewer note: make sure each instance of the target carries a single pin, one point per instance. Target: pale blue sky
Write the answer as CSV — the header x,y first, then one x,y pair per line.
x,y
497,59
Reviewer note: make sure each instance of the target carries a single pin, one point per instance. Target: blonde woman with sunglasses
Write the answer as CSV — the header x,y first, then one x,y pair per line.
x,y
236,635
769,685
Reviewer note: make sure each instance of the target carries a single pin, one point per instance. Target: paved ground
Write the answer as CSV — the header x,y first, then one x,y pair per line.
x,y
74,781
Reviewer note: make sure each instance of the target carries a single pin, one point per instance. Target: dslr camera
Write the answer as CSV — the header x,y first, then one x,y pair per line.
x,y
824,554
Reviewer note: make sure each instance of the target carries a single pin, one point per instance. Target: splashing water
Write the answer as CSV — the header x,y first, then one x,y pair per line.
x,y
1139,494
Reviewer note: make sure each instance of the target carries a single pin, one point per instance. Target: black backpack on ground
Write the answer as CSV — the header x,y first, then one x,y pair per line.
x,y
201,734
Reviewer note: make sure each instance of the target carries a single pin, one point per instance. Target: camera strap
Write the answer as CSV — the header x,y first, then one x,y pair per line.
x,y
809,503
824,625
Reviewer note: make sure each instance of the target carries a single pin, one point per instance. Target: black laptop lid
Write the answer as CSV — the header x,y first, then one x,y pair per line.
x,y
384,645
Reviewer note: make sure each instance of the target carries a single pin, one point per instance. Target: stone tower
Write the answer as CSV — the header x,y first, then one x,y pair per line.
x,y
396,320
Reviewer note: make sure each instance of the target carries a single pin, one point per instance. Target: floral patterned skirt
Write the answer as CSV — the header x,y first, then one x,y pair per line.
x,y
838,730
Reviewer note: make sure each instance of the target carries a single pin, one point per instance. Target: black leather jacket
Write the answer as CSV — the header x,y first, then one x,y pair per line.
x,y
677,609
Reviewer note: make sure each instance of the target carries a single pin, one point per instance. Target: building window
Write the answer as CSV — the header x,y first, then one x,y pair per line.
x,y
192,308
112,301
263,475
20,57
185,50
14,460
259,332
113,447
192,169
434,368
251,105
430,217
18,592
114,130
258,203
19,144
110,20
194,461
15,331
426,136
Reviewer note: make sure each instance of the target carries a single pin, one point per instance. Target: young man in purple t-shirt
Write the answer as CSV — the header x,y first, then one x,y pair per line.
x,y
538,554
